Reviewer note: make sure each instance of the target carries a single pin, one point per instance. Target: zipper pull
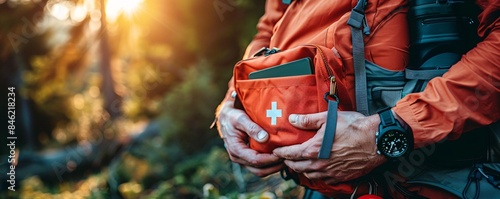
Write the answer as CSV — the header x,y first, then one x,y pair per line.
x,y
333,86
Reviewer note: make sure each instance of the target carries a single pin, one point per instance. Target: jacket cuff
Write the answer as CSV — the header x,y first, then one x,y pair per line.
x,y
408,112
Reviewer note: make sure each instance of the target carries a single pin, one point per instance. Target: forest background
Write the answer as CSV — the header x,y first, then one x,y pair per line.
x,y
114,98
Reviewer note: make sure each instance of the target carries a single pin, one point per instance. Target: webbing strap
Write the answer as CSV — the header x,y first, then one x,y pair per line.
x,y
331,127
424,74
358,53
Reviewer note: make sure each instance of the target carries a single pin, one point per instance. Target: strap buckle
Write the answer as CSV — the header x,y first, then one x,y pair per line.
x,y
357,18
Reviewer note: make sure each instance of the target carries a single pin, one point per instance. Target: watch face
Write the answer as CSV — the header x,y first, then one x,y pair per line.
x,y
393,143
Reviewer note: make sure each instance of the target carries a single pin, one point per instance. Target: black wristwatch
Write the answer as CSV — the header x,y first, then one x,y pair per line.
x,y
393,141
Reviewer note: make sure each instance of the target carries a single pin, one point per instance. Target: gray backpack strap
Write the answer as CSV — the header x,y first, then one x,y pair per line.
x,y
356,21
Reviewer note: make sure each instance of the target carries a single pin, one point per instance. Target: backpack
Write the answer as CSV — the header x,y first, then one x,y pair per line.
x,y
440,32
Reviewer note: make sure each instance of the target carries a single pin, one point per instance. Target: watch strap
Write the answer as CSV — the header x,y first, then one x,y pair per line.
x,y
386,117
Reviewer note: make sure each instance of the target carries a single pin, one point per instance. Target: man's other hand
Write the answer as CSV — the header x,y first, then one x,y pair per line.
x,y
353,153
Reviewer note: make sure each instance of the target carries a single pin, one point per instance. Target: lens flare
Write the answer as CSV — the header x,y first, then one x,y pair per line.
x,y
116,7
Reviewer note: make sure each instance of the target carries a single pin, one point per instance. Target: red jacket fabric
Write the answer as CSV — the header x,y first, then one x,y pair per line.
x,y
466,97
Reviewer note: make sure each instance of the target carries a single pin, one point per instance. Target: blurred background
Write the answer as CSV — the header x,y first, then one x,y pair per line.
x,y
114,98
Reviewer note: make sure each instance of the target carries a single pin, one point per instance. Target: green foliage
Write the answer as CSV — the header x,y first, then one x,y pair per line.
x,y
207,174
210,175
187,111
189,108
93,187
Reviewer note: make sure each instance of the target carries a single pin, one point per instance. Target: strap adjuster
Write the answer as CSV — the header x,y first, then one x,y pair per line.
x,y
357,18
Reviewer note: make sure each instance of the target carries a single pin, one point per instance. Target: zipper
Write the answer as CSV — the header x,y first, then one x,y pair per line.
x,y
331,76
445,19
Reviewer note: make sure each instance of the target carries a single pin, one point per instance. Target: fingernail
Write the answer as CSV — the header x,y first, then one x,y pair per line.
x,y
261,135
293,118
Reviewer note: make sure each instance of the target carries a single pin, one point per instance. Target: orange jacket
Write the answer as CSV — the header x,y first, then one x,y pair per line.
x,y
464,98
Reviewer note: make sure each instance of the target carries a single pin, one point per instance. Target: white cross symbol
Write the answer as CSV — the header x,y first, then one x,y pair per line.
x,y
273,113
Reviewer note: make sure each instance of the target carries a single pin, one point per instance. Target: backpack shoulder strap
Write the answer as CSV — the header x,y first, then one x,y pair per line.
x,y
356,21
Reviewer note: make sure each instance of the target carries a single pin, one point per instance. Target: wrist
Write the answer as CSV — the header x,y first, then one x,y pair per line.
x,y
371,124
380,159
227,101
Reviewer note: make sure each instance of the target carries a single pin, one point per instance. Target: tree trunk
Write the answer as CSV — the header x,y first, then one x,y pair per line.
x,y
112,101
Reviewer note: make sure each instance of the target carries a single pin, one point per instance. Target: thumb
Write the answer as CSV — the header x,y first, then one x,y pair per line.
x,y
252,129
306,150
308,121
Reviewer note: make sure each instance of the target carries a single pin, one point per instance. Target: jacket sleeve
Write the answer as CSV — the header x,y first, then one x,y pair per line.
x,y
467,96
273,13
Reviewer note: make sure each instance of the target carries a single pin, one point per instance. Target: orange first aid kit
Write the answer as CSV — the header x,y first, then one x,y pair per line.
x,y
270,101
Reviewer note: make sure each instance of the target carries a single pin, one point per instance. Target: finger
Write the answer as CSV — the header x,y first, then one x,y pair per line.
x,y
243,154
293,152
245,124
263,172
255,159
300,166
308,121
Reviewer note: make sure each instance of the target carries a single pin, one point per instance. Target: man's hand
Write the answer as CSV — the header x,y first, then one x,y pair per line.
x,y
235,128
353,153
